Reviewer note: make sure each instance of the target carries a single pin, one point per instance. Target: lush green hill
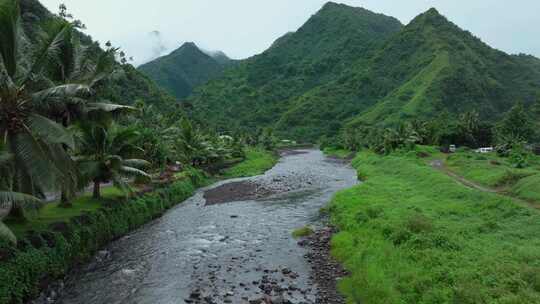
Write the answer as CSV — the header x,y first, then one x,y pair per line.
x,y
257,91
220,57
446,68
348,66
185,68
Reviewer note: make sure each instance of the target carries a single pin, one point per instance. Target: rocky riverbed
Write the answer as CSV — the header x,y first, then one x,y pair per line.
x,y
229,243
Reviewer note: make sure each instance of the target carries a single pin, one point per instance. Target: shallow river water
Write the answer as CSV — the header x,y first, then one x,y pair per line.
x,y
224,253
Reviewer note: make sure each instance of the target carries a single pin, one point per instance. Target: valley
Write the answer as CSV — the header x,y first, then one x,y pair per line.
x,y
357,159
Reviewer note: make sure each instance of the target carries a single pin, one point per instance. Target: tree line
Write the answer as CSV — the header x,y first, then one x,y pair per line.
x,y
514,135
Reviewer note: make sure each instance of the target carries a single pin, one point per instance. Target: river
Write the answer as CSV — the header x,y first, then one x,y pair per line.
x,y
223,253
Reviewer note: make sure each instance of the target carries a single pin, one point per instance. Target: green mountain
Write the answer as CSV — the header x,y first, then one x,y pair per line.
x,y
446,68
185,68
220,57
259,90
349,66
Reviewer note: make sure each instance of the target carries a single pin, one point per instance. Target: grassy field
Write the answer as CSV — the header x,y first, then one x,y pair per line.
x,y
257,162
496,172
339,153
50,213
411,234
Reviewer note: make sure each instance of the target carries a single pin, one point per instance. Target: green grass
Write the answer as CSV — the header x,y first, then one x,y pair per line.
x,y
339,153
528,188
302,232
40,219
411,234
496,172
257,162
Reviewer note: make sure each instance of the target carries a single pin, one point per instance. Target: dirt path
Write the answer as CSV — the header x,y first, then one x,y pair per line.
x,y
439,165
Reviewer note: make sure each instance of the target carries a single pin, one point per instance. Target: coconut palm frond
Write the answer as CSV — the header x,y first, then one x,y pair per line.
x,y
104,66
32,157
6,233
60,92
8,199
9,36
109,107
130,171
55,34
121,183
50,131
137,163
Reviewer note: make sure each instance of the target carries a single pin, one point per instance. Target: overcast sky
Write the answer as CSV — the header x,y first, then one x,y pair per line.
x,y
242,28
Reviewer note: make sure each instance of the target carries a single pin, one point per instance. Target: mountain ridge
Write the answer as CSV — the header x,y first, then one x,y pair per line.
x,y
185,68
347,66
315,54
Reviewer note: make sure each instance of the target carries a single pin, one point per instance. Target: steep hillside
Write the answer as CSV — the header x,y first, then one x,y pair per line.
x,y
449,69
220,57
185,68
259,90
348,66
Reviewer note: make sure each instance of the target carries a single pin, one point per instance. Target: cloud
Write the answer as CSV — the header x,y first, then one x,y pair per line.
x,y
158,46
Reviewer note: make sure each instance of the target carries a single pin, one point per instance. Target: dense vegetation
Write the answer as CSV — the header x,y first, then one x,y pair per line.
x,y
411,234
184,69
350,67
74,116
258,91
62,131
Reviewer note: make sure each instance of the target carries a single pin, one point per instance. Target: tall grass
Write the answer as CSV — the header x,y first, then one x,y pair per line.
x,y
493,171
411,234
257,162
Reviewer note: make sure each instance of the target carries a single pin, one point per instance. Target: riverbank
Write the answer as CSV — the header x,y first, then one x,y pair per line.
x,y
56,239
257,162
224,253
339,153
411,234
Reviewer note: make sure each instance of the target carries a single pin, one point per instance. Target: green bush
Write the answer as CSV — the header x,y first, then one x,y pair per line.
x,y
48,255
302,232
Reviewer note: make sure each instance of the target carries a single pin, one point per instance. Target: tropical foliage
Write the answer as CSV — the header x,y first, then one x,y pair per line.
x,y
60,130
105,153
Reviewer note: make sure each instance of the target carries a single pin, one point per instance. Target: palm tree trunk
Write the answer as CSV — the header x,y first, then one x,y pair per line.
x,y
97,189
65,202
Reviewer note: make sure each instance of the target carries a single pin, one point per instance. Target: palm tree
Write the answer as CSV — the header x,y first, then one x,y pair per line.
x,y
35,142
8,198
78,64
469,126
188,142
105,153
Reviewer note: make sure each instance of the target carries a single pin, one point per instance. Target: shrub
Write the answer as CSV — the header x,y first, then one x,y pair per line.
x,y
418,223
302,232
